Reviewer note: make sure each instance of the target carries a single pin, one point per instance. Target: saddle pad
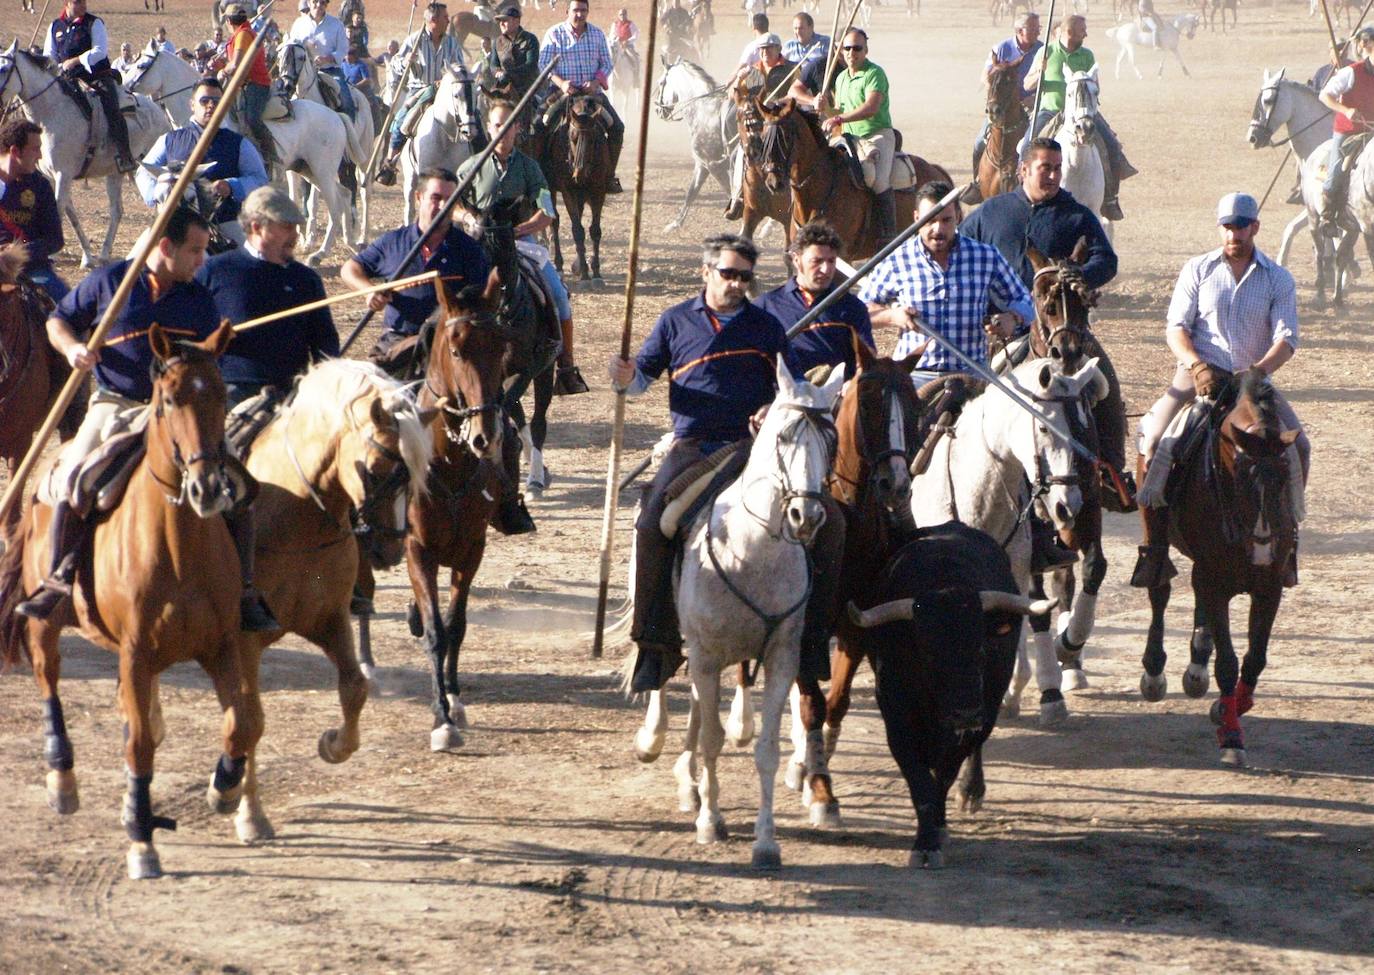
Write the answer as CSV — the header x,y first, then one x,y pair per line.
x,y
699,485
1153,492
903,172
100,481
416,111
248,419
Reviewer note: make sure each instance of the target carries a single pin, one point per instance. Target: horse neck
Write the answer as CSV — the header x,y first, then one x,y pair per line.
x,y
983,466
750,510
46,100
313,436
807,155
1304,113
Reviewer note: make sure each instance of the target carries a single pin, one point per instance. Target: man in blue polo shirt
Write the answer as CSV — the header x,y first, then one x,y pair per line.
x,y
829,342
166,293
719,352
454,254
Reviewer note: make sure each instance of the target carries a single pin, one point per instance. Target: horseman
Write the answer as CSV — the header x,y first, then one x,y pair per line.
x,y
514,56
583,69
260,278
806,45
623,33
1021,49
946,281
78,42
325,39
28,208
863,112
1148,21
166,292
236,168
815,251
1064,55
256,87
676,22
773,69
719,352
1233,309
1349,93
435,51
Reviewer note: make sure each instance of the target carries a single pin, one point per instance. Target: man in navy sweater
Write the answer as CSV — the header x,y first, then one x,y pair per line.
x,y
166,292
260,278
719,352
28,209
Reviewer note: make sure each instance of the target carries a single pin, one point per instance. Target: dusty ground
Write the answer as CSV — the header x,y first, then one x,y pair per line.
x,y
1115,842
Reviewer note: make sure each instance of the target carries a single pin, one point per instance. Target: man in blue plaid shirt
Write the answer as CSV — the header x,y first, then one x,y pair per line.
x,y
583,69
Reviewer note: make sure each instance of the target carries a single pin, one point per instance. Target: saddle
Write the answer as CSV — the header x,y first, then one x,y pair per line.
x,y
422,101
1350,154
699,485
942,400
97,483
251,417
330,91
903,173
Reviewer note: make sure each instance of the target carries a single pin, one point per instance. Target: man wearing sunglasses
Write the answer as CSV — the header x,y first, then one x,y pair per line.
x,y
719,352
863,110
235,165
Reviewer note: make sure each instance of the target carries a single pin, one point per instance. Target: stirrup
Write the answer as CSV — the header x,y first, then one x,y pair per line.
x,y
568,381
1153,567
254,614
386,173
49,597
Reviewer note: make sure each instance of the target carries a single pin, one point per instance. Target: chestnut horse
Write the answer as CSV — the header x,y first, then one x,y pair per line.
x,y
1007,121
822,179
576,159
1232,511
759,200
158,583
333,464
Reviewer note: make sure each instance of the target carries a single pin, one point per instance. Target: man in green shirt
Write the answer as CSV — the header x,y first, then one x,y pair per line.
x,y
1061,56
863,110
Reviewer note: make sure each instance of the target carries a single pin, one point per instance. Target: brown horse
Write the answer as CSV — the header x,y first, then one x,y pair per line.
x,y
158,583
759,200
1232,512
703,26
823,180
334,464
448,522
576,160
1007,122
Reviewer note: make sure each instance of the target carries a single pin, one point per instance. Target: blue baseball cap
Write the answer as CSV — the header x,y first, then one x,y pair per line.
x,y
1238,209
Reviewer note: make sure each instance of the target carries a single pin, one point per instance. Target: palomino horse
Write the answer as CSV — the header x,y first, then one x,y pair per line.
x,y
167,80
822,179
1085,168
1232,512
1128,37
1007,121
448,521
75,147
333,464
576,159
686,91
743,566
158,584
760,202
448,132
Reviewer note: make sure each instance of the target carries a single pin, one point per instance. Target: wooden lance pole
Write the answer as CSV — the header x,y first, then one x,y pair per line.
x,y
836,56
121,295
1363,14
396,98
618,424
1331,32
1040,80
277,316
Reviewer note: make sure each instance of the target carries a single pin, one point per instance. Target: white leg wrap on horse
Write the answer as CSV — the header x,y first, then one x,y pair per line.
x,y
1047,674
1081,618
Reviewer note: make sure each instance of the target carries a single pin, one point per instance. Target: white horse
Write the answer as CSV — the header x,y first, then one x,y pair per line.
x,y
1335,258
1129,36
979,475
167,80
444,134
1085,169
313,142
73,146
686,91
297,70
625,81
743,570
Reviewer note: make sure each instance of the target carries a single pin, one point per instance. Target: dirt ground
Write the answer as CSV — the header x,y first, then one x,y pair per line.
x,y
1114,842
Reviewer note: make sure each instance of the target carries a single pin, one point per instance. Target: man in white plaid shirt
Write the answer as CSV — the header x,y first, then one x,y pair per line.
x,y
1233,309
584,68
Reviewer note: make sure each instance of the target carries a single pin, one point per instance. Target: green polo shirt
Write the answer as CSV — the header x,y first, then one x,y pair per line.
x,y
1059,60
852,90
519,179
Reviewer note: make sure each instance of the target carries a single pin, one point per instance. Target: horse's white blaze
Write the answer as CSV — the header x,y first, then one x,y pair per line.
x,y
896,442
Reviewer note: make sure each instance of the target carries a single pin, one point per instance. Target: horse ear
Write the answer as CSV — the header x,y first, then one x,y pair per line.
x,y
909,363
786,385
1037,259
830,389
1250,443
863,355
1080,251
219,339
788,105
160,343
381,416
1282,72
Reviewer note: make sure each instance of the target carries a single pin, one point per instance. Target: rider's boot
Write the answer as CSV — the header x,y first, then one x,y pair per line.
x,y
734,210
254,614
511,516
885,217
568,379
1333,202
1047,554
615,141
1153,567
56,589
119,132
655,626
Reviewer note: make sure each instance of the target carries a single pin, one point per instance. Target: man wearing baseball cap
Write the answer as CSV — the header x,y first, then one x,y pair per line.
x,y
773,69
1233,309
514,57
258,85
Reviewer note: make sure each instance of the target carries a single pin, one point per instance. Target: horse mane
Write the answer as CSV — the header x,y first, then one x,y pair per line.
x,y
13,257
333,382
42,60
1256,387
698,72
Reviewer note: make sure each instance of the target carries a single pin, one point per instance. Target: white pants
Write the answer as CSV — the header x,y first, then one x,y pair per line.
x,y
104,407
875,156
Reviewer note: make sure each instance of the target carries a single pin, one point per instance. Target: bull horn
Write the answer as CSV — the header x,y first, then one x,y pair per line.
x,y
890,612
996,601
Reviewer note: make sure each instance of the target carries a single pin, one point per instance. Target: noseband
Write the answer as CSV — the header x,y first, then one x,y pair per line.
x,y
379,491
213,455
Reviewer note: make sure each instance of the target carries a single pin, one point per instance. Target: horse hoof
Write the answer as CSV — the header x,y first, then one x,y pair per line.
x,y
1233,757
795,777
766,856
1214,712
143,862
825,815
458,715
330,748
223,803
1153,688
648,745
1196,681
1053,713
1011,708
968,801
62,797
253,829
672,226
714,832
1073,680
926,860
444,738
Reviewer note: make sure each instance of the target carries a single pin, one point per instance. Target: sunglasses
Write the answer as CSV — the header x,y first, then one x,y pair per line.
x,y
735,274
854,47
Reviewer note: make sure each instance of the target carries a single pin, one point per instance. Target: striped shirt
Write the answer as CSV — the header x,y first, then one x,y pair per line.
x,y
794,50
952,303
431,60
583,58
1234,323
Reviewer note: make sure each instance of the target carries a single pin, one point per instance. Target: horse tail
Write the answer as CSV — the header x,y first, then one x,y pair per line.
x,y
14,634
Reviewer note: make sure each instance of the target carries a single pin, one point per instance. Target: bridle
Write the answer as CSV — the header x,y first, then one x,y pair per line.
x,y
1267,125
822,422
1088,298
891,397
176,493
462,412
10,72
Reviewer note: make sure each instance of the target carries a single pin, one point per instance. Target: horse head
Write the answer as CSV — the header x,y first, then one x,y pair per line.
x,y
876,423
459,92
749,120
465,371
1080,104
793,452
1254,455
1062,300
185,436
1004,108
292,63
1186,25
778,135
1264,120
587,141
666,96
